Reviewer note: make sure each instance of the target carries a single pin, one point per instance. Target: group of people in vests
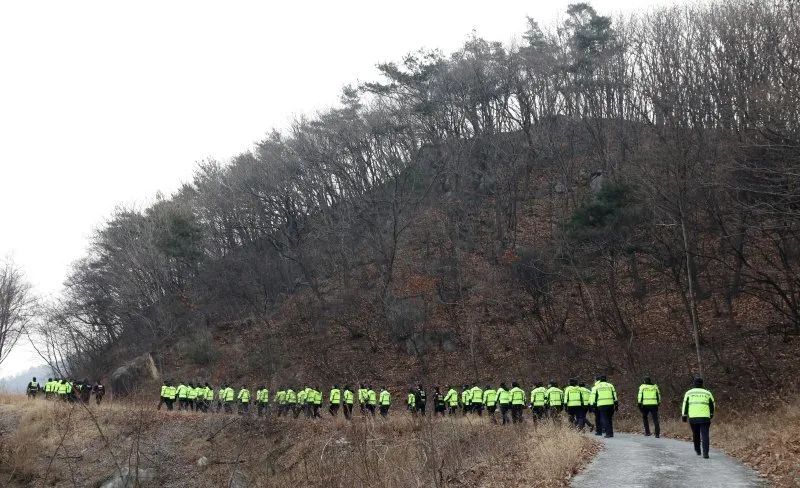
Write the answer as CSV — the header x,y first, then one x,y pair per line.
x,y
67,390
503,404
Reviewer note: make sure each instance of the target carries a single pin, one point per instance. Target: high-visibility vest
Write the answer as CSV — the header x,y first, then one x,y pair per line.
x,y
476,395
69,387
586,395
335,396
490,397
317,397
517,396
466,397
503,396
182,391
573,396
555,397
171,393
291,397
412,399
362,395
698,403
649,395
385,398
62,388
48,387
228,395
603,394
348,397
539,396
301,396
208,394
372,397
244,395
280,397
164,389
191,393
451,398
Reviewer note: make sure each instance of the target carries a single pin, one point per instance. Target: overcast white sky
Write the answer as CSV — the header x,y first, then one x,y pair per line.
x,y
106,103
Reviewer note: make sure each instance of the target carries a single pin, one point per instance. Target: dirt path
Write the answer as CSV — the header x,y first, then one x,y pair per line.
x,y
637,461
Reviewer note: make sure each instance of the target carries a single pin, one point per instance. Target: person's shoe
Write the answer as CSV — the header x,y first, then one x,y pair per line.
x,y
658,435
648,435
609,436
697,452
597,433
705,456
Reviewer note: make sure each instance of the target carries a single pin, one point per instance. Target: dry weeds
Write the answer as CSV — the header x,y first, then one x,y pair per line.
x,y
53,444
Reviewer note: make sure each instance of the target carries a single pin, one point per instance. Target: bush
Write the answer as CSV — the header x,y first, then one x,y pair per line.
x,y
200,348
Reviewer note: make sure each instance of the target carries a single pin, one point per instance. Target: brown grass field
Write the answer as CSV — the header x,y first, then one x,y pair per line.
x,y
52,444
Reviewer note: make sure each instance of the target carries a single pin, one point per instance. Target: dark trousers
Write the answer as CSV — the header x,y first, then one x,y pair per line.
x,y
334,409
504,409
598,425
478,408
371,409
421,408
607,419
347,410
384,410
652,411
169,403
453,409
577,416
262,407
516,413
700,435
538,412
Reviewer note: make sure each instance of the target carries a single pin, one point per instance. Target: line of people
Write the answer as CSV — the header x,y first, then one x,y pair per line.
x,y
509,404
67,389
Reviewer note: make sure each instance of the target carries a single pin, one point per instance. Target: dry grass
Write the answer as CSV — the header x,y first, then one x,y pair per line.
x,y
767,441
66,445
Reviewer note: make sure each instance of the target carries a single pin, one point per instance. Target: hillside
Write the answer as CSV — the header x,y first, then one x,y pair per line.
x,y
604,197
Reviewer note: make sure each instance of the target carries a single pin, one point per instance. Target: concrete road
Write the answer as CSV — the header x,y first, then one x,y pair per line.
x,y
636,461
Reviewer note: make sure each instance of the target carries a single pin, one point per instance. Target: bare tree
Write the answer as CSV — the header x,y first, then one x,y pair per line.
x,y
17,306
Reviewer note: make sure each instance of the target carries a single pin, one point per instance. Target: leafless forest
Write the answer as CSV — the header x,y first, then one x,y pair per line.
x,y
619,194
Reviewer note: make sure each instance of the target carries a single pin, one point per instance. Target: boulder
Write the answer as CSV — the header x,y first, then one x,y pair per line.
x,y
203,461
125,378
128,478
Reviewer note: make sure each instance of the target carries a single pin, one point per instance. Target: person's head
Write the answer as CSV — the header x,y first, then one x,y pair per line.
x,y
49,379
488,387
647,380
436,389
207,385
553,383
336,387
503,386
466,386
419,386
361,385
603,377
573,382
582,384
514,384
34,378
598,377
698,382
539,384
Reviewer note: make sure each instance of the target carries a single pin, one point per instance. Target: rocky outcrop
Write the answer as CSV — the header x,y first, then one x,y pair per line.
x,y
125,378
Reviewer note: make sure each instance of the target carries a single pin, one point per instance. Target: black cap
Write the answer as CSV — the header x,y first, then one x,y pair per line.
x,y
698,382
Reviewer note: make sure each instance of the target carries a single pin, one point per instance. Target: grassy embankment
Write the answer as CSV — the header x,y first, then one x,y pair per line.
x,y
48,444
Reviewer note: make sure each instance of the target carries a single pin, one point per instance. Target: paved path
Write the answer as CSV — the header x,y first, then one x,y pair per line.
x,y
636,461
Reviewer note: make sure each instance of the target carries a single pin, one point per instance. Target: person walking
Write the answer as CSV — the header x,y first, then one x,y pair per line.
x,y
420,399
385,400
504,399
555,400
573,399
586,396
517,402
347,406
33,388
604,399
372,400
466,399
648,400
411,401
476,399
262,400
490,402
451,399
539,401
363,400
335,400
698,409
439,404
244,400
